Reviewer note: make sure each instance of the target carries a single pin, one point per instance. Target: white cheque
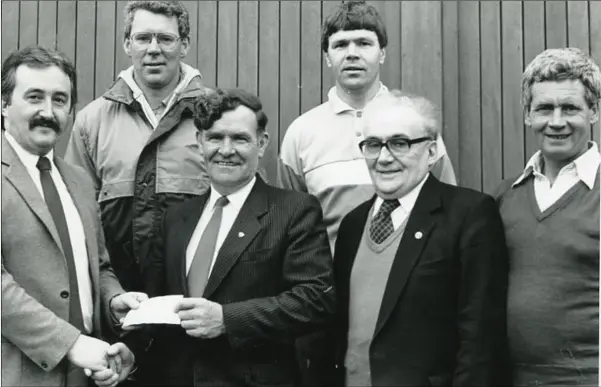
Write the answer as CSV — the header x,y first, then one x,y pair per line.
x,y
156,310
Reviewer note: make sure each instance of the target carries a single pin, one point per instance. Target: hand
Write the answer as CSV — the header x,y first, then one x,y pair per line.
x,y
123,303
88,352
122,359
201,318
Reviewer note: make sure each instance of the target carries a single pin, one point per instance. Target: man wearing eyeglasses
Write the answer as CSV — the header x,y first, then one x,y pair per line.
x,y
421,267
137,142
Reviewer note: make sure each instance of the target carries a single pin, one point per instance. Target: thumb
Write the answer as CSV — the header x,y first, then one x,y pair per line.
x,y
87,371
115,349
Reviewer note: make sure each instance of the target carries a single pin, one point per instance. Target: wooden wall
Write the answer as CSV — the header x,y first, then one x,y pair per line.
x,y
467,56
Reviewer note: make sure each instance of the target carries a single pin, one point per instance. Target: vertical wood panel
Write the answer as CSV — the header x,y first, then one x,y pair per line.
x,y
122,61
392,70
85,51
28,23
595,39
513,121
191,57
534,44
65,42
450,68
47,24
227,46
207,41
248,47
556,19
470,170
10,27
269,73
105,46
422,49
492,123
289,65
327,76
578,28
311,56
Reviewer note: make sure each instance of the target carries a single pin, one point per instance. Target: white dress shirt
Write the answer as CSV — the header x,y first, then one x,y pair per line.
x,y
230,212
74,225
584,169
407,202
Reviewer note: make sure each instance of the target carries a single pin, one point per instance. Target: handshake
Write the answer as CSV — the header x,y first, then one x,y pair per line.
x,y
107,364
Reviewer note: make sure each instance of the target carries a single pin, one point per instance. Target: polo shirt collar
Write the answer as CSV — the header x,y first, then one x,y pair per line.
x,y
339,106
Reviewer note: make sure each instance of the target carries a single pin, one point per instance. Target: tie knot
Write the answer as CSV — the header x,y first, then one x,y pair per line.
x,y
222,201
388,206
44,164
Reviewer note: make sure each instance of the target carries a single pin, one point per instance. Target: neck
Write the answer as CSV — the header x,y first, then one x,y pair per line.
x,y
357,99
155,96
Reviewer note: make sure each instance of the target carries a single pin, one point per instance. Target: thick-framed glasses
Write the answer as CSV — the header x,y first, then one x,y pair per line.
x,y
165,40
397,146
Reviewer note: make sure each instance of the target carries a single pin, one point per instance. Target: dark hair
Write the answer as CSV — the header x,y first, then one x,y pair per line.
x,y
36,57
167,8
354,15
210,107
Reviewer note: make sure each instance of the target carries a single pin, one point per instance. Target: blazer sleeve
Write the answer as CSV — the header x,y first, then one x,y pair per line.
x,y
481,357
41,335
308,304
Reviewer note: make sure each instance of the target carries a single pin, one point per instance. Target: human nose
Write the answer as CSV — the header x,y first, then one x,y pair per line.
x,y
226,147
46,109
351,51
385,156
557,119
153,46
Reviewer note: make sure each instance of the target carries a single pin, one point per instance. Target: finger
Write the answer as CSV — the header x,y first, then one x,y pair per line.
x,y
87,371
190,324
115,364
189,303
141,297
103,376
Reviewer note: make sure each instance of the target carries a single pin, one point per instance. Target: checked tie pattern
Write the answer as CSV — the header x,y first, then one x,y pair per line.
x,y
381,225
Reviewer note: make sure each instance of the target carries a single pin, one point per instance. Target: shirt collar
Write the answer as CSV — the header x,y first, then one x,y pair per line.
x,y
586,166
407,202
27,158
236,199
339,106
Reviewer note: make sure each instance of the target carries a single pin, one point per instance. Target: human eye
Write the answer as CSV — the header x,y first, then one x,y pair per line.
x,y
143,38
398,144
34,98
60,100
166,39
544,108
570,109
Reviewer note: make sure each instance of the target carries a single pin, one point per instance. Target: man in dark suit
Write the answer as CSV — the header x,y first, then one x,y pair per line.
x,y
58,288
251,260
421,268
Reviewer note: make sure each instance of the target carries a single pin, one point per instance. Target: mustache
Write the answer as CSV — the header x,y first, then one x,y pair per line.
x,y
46,122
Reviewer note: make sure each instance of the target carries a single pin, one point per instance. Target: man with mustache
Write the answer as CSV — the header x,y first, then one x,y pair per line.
x,y
59,292
420,268
252,261
551,216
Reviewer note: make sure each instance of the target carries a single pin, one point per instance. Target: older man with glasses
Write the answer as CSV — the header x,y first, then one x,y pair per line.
x,y
421,267
138,141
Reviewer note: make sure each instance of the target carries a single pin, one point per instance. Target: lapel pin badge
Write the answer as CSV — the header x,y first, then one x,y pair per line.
x,y
418,235
240,234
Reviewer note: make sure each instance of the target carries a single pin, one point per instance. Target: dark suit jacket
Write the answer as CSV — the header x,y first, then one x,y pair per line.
x,y
274,282
36,334
442,317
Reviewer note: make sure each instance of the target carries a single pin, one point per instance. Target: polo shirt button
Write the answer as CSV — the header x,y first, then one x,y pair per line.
x,y
64,294
44,364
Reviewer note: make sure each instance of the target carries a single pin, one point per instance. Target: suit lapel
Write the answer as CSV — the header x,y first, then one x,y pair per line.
x,y
183,231
243,231
16,174
420,224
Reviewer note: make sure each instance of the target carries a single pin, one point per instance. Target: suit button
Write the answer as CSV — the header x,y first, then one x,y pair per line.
x,y
64,294
44,364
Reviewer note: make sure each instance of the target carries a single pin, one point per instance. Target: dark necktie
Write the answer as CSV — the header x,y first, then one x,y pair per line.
x,y
198,275
381,225
55,207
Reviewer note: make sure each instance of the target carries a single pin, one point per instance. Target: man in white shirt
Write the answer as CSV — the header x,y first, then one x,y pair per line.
x,y
421,267
58,288
551,216
252,261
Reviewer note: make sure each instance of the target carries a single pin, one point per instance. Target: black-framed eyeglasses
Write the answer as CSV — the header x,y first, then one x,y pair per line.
x,y
397,146
165,40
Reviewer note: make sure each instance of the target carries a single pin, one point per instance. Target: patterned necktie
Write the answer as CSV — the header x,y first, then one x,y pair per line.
x,y
198,275
53,201
381,225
